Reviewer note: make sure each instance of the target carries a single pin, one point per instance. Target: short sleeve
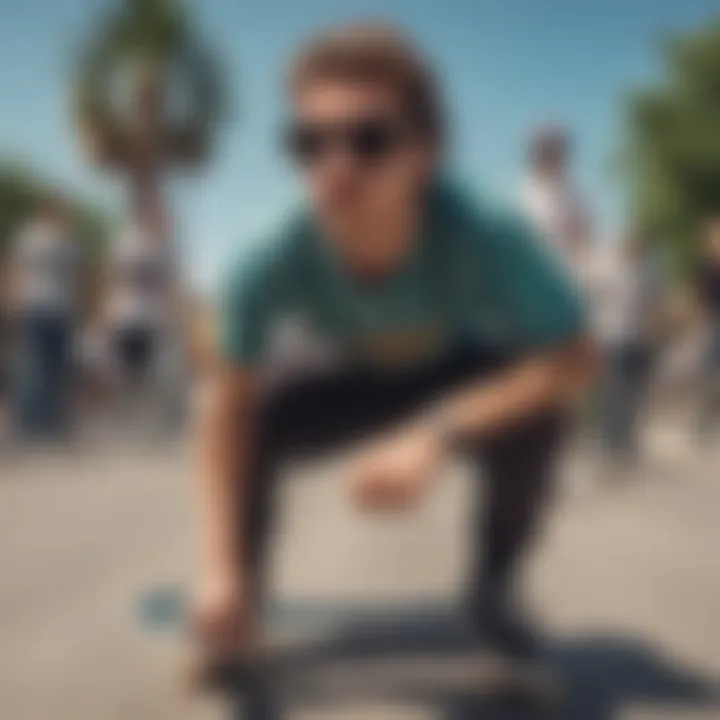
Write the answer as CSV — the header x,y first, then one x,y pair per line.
x,y
529,286
243,312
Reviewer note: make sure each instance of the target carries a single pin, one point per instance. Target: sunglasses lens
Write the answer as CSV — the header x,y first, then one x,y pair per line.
x,y
366,141
305,143
373,139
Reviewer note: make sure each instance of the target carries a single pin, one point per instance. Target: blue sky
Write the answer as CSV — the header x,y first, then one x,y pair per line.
x,y
508,64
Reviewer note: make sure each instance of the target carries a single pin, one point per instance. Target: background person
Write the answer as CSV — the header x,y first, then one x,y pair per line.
x,y
629,300
45,274
708,293
139,319
553,202
5,355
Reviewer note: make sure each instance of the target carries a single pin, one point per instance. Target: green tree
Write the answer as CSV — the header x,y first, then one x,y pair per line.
x,y
672,150
149,97
19,192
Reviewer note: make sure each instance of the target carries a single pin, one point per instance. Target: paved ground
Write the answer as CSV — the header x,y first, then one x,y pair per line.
x,y
627,579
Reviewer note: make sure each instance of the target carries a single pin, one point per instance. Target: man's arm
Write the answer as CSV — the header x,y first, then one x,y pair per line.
x,y
225,411
392,472
226,435
550,378
546,316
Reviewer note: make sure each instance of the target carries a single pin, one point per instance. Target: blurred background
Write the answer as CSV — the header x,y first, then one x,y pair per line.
x,y
139,151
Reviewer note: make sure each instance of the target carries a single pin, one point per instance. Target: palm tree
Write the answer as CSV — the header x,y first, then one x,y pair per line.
x,y
149,98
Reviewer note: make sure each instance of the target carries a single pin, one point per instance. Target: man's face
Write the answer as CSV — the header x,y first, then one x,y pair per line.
x,y
552,161
362,159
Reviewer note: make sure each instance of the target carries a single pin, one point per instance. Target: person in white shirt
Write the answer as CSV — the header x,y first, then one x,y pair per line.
x,y
141,276
141,314
552,202
628,293
44,272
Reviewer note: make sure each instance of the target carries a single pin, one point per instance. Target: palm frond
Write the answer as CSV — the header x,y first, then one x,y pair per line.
x,y
155,35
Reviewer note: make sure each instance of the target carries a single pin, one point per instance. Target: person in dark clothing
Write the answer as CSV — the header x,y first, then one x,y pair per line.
x,y
708,292
5,350
629,299
44,267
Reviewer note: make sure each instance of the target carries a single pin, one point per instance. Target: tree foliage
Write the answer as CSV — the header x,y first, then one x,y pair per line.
x,y
157,38
672,150
19,193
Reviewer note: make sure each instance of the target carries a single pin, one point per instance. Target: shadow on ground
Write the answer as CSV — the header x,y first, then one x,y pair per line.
x,y
365,660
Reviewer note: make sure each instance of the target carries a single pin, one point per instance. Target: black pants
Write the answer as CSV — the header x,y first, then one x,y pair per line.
x,y
321,413
43,376
626,381
134,348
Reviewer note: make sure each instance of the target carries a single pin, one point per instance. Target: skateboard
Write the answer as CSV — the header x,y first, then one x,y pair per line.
x,y
264,673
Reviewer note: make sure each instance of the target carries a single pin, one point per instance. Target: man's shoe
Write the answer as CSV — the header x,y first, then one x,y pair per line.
x,y
498,621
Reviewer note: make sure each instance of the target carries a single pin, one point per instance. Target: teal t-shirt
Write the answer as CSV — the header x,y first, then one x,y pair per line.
x,y
474,272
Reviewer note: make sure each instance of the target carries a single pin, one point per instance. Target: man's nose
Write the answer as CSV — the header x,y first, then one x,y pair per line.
x,y
339,160
338,168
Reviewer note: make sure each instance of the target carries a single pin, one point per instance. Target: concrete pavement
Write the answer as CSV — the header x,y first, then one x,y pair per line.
x,y
626,579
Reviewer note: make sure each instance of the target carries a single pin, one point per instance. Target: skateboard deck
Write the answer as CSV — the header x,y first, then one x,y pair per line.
x,y
310,662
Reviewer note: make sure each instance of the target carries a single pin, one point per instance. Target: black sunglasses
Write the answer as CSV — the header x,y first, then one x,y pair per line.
x,y
366,140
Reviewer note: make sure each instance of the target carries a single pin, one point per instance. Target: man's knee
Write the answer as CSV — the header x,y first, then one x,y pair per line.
x,y
521,461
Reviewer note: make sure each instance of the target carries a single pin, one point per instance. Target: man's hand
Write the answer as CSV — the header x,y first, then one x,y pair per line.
x,y
393,473
224,619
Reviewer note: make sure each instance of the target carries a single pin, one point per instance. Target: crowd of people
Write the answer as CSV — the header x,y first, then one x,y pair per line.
x,y
624,284
630,292
67,353
83,343
122,352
